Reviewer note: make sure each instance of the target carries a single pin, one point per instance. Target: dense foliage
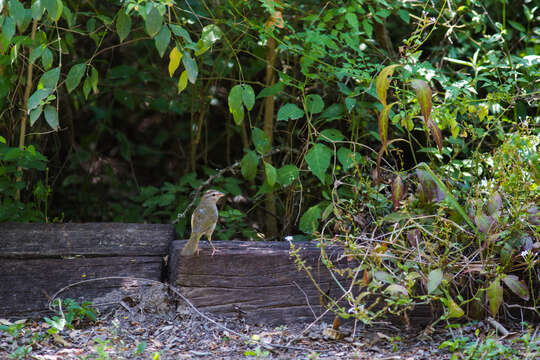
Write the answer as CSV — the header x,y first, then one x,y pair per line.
x,y
404,131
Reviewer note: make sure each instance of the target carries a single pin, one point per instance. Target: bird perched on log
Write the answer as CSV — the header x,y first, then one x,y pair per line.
x,y
203,222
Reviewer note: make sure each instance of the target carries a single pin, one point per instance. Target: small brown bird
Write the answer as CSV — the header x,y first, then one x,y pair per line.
x,y
203,222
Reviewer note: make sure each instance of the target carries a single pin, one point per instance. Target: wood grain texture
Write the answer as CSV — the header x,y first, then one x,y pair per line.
x,y
107,239
252,280
27,284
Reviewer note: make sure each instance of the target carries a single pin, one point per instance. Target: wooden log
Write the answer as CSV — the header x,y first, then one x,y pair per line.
x,y
252,280
26,285
37,260
106,239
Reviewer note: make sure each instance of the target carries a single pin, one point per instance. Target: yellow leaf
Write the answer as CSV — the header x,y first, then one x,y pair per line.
x,y
182,82
174,60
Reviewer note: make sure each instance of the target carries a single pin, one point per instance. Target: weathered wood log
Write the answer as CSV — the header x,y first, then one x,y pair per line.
x,y
252,280
37,260
26,285
94,239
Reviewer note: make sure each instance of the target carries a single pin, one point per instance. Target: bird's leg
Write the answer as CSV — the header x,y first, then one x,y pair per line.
x,y
214,250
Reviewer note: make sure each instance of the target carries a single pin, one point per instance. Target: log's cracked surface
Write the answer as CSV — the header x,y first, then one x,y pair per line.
x,y
252,280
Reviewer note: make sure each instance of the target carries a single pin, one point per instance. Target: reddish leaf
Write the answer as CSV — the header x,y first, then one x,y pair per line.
x,y
398,190
435,133
382,82
517,286
495,296
423,93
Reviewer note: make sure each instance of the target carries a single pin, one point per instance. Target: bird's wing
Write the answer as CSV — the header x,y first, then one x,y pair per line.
x,y
202,220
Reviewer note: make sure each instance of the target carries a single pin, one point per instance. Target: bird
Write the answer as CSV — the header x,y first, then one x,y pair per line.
x,y
203,222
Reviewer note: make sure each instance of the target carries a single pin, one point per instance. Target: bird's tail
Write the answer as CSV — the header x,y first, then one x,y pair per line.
x,y
191,246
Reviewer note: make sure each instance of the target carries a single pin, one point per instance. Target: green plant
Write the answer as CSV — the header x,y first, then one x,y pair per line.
x,y
258,353
71,314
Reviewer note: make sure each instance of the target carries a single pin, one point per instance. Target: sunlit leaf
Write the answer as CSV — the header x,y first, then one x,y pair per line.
x,y
454,311
382,82
210,34
318,160
182,81
395,289
347,158
174,60
495,296
517,286
384,276
235,104
435,278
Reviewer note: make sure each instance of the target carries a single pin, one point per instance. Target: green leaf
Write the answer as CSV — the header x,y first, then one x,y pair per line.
x,y
123,25
383,123
249,164
37,9
46,58
395,289
54,8
8,28
153,22
423,94
331,135
210,34
94,78
271,174
35,53
261,141
74,76
37,97
350,103
435,278
182,82
287,174
454,311
517,286
180,31
382,82
347,158
318,160
34,114
309,222
174,60
368,28
16,10
248,96
352,20
162,40
191,67
235,103
51,116
289,111
334,111
50,78
314,103
271,91
495,296
384,277
86,87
